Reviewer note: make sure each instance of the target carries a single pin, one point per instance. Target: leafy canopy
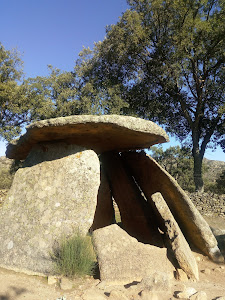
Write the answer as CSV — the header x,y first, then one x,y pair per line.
x,y
166,61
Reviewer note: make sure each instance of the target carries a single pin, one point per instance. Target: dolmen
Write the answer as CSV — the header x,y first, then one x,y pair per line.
x,y
74,169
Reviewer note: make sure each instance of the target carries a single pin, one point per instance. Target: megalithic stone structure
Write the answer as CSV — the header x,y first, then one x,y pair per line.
x,y
58,191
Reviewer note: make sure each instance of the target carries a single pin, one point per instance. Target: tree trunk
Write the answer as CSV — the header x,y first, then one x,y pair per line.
x,y
199,185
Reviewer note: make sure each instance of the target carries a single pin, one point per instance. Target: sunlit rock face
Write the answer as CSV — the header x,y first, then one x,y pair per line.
x,y
54,195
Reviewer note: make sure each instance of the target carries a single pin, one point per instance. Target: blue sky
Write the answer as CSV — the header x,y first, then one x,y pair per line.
x,y
54,32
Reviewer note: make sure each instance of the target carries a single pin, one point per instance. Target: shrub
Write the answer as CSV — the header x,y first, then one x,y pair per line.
x,y
74,256
220,183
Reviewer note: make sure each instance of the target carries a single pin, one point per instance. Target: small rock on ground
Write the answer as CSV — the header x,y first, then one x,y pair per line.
x,y
199,296
186,294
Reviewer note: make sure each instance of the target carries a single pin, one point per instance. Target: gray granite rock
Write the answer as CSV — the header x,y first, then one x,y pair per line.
x,y
100,133
179,245
52,196
122,259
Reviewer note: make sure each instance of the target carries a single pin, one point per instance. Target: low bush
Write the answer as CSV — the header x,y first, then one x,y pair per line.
x,y
74,256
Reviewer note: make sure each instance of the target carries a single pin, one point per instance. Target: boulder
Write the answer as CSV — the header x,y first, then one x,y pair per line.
x,y
52,196
179,245
99,133
122,259
136,216
152,178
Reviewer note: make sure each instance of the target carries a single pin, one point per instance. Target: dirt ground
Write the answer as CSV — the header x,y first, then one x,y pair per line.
x,y
18,286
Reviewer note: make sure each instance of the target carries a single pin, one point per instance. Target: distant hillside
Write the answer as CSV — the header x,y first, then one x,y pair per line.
x,y
213,169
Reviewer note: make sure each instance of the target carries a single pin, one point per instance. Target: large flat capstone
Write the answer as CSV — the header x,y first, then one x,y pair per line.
x,y
99,133
52,196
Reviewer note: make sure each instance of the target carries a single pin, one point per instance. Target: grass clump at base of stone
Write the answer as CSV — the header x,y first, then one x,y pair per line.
x,y
74,256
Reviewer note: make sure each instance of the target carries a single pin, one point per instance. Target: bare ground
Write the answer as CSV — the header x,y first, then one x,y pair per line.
x,y
17,286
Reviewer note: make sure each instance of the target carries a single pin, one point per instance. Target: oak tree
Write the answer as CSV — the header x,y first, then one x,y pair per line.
x,y
165,60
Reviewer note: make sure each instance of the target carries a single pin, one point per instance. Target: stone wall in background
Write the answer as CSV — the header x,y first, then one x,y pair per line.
x,y
209,203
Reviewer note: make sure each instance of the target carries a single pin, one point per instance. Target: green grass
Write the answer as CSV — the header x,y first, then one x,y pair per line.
x,y
74,257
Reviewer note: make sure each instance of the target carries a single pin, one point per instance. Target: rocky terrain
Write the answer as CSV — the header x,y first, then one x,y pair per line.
x,y
213,169
18,286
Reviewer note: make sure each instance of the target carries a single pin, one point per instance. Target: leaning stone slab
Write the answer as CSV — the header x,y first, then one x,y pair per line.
x,y
51,197
179,245
122,259
100,133
152,178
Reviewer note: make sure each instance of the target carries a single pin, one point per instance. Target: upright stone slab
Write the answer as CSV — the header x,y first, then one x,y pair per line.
x,y
179,245
104,214
52,196
152,178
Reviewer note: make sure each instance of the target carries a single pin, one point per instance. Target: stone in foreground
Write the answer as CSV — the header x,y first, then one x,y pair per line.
x,y
122,259
99,133
179,245
51,197
152,178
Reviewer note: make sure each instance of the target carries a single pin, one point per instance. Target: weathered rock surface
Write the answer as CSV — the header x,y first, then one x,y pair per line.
x,y
136,216
122,259
179,245
104,214
53,195
100,133
152,178
157,282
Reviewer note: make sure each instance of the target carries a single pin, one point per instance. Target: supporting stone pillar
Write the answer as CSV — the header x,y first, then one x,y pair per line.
x,y
136,216
53,196
152,178
104,214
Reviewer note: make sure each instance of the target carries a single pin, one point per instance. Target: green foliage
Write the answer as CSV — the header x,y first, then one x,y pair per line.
x,y
11,101
166,61
220,183
17,105
178,162
74,256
